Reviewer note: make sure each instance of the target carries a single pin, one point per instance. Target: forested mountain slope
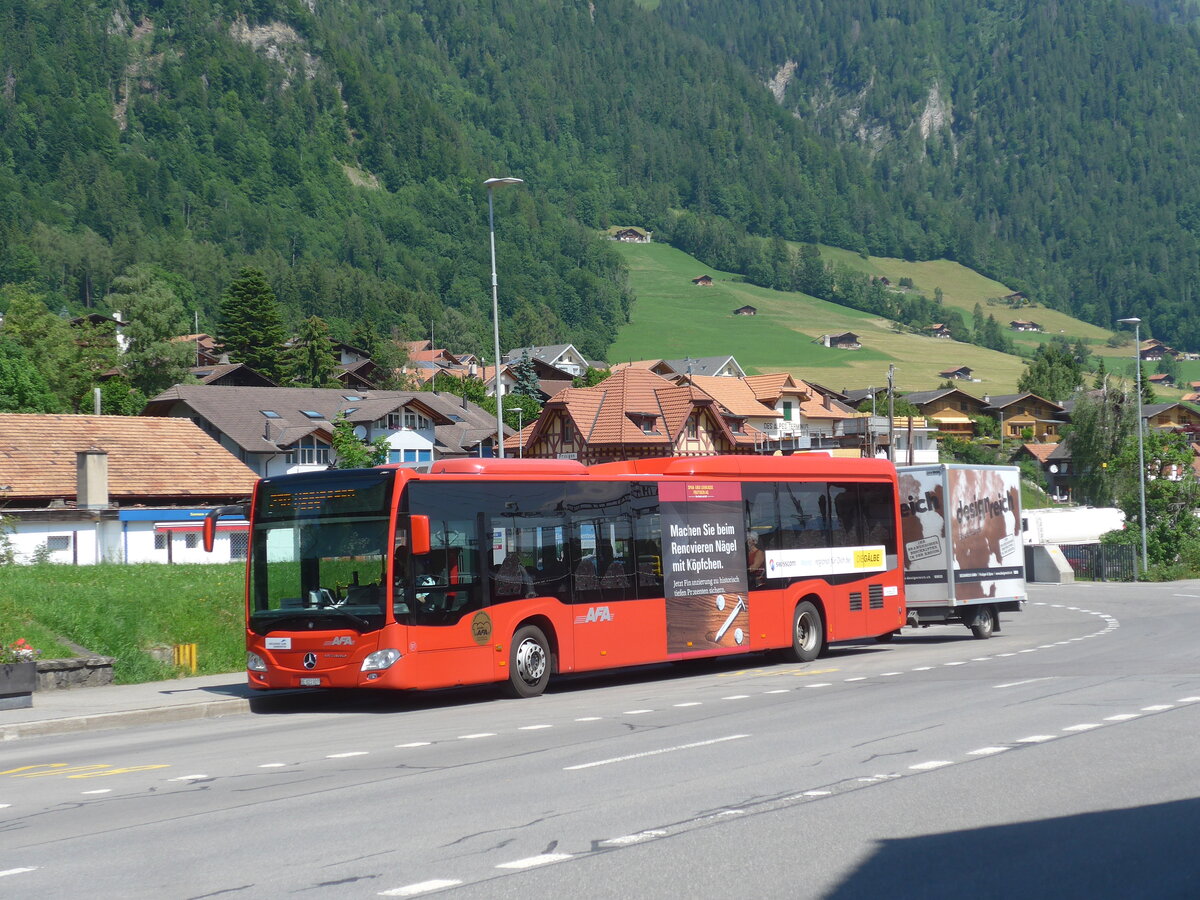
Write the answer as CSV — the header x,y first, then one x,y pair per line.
x,y
341,146
1059,137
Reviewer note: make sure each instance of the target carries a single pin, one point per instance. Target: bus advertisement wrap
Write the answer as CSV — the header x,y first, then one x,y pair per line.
x,y
704,567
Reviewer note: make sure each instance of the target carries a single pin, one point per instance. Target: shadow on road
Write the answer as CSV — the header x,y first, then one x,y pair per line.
x,y
1146,851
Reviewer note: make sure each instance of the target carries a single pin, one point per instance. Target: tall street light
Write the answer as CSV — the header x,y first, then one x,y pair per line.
x,y
491,184
1137,361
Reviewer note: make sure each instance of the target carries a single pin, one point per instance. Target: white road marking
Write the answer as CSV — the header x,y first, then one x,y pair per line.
x,y
736,697
959,663
529,862
1158,707
617,759
478,734
1016,683
889,674
17,871
689,703
932,764
987,751
1188,699
820,684
5,805
776,691
533,727
100,791
1006,654
188,778
588,719
627,839
1029,650
816,793
412,744
1193,596
1123,717
636,712
421,887
922,668
980,658
856,678
347,754
1036,738
272,765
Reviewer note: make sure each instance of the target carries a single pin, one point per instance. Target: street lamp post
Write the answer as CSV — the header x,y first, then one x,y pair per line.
x,y
491,184
520,428
1137,361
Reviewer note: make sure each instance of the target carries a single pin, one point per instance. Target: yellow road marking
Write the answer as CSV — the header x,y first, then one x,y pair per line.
x,y
90,771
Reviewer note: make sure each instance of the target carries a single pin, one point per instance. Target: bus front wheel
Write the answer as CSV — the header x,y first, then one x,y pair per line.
x,y
808,633
528,662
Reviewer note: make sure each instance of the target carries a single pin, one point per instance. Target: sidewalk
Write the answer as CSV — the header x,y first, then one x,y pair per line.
x,y
117,706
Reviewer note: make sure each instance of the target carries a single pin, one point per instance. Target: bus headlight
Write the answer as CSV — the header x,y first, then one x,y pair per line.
x,y
255,663
380,659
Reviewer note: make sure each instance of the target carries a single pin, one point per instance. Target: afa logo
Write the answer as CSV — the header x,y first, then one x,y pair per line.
x,y
595,614
342,641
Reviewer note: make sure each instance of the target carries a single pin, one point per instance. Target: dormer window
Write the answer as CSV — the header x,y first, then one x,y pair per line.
x,y
410,420
644,421
737,426
393,421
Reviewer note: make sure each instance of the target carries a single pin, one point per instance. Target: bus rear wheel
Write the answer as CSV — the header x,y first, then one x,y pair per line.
x,y
808,633
528,663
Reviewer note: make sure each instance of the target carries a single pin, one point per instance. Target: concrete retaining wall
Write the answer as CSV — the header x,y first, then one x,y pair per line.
x,y
79,671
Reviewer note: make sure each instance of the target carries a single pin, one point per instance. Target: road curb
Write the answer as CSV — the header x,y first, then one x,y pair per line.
x,y
210,709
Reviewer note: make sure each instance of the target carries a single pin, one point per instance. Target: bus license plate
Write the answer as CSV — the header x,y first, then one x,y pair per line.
x,y
310,682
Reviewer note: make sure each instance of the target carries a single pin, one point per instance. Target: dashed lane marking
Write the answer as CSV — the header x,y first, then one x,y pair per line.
x,y
542,859
347,754
421,887
660,751
932,764
1083,726
19,871
987,751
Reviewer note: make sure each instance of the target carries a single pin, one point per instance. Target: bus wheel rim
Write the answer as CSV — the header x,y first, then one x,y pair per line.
x,y
531,661
804,631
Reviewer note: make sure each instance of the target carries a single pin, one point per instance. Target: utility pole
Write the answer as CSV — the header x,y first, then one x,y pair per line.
x,y
892,414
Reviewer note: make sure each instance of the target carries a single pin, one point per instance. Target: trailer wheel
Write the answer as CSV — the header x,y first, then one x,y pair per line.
x,y
528,663
984,623
808,633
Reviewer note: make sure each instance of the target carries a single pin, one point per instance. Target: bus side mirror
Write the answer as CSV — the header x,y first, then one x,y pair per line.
x,y
210,523
419,526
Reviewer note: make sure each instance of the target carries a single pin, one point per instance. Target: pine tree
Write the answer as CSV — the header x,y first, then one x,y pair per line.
x,y
311,360
250,326
526,378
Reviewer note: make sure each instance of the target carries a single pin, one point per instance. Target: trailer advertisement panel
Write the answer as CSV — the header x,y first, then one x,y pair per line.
x,y
962,534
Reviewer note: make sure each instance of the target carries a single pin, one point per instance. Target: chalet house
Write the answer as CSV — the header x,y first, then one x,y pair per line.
x,y
360,376
938,330
564,357
1015,299
1016,412
629,234
207,351
277,431
950,409
768,404
657,366
98,319
631,415
230,375
1162,380
1055,462
1170,417
1023,325
723,366
86,489
824,413
1153,350
746,310
959,373
703,280
846,340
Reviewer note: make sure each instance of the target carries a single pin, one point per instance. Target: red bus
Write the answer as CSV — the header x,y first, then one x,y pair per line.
x,y
482,570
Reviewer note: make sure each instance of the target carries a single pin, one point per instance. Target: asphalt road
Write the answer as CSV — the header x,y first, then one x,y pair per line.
x,y
1057,759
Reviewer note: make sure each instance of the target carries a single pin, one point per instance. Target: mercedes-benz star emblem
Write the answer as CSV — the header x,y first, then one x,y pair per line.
x,y
310,660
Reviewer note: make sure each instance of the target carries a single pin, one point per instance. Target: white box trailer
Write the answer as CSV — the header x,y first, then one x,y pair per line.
x,y
1071,525
964,559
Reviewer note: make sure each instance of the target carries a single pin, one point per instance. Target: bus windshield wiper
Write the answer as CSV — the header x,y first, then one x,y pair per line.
x,y
280,618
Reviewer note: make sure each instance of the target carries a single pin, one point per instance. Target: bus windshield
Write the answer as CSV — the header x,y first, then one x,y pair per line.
x,y
319,550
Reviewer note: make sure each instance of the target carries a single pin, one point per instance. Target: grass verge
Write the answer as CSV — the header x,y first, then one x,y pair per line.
x,y
123,611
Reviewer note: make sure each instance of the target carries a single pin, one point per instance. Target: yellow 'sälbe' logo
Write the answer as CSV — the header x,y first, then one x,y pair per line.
x,y
868,559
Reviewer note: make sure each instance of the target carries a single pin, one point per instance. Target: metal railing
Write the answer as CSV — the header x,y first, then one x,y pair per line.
x,y
1102,562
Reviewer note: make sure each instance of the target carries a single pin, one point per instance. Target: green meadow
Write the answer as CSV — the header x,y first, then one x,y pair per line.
x,y
674,318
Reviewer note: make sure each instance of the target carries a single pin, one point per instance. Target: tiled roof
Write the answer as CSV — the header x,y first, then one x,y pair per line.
x,y
1040,452
237,412
735,395
149,460
705,365
821,406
